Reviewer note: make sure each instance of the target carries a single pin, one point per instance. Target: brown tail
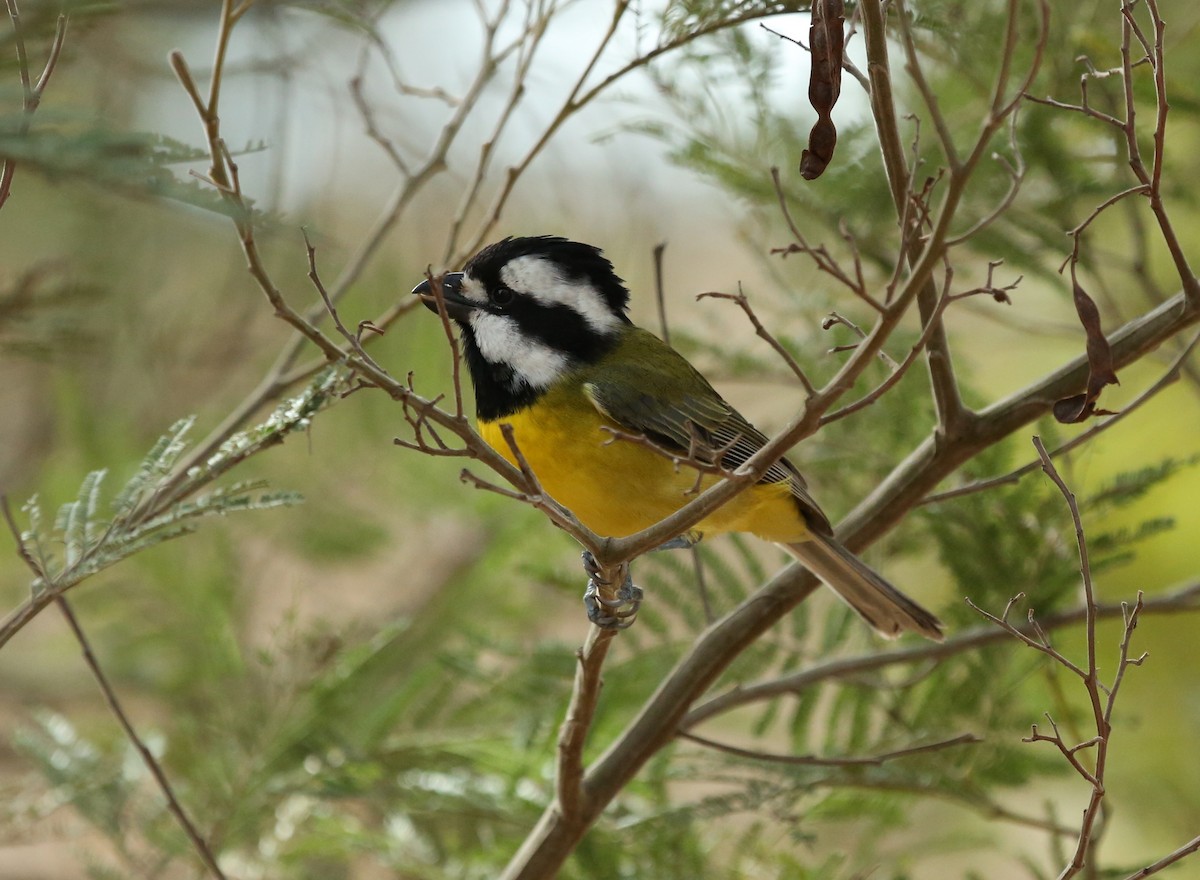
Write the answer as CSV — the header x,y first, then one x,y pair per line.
x,y
877,602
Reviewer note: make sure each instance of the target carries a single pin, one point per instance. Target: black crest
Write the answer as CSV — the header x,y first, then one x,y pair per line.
x,y
577,261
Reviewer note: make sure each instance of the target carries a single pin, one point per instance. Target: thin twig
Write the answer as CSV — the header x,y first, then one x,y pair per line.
x,y
533,29
1189,848
815,761
160,777
110,697
1168,378
354,340
660,297
834,319
764,333
820,255
897,373
928,96
1185,599
31,92
580,97
1102,699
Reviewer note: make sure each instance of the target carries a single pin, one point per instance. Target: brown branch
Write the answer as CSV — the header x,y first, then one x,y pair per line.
x,y
1168,378
1185,599
1067,752
898,370
1187,277
815,761
660,295
1016,177
1102,699
439,299
1037,641
31,92
1089,594
764,333
581,711
533,30
820,255
928,96
199,844
486,485
701,458
1189,848
944,385
834,319
54,593
579,97
367,114
354,340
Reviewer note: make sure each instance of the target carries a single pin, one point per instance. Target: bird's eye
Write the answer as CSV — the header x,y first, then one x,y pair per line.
x,y
502,296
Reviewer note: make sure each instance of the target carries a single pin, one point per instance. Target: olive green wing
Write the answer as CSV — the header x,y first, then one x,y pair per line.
x,y
684,414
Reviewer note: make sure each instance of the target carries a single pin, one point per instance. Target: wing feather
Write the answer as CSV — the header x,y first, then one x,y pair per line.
x,y
702,421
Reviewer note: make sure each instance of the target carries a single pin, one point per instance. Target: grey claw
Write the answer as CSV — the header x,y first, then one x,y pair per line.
x,y
618,613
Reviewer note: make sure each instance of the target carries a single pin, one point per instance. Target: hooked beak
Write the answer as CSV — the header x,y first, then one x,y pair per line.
x,y
458,306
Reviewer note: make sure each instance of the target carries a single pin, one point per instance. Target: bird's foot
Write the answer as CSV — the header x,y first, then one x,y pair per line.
x,y
617,613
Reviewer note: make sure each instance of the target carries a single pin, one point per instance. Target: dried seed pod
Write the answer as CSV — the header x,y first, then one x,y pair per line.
x,y
826,46
1079,407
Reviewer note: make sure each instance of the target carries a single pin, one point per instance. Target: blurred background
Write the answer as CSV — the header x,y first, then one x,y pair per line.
x,y
369,684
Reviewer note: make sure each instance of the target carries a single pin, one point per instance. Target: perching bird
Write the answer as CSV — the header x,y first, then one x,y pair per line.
x,y
552,353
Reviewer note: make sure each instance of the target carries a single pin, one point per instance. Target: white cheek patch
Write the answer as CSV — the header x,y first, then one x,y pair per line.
x,y
541,280
501,341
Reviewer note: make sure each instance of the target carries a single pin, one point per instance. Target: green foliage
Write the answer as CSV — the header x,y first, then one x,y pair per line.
x,y
133,163
418,737
44,309
91,542
685,17
346,535
1130,486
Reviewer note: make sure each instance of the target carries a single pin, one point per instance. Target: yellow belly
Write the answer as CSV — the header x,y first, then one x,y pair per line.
x,y
617,487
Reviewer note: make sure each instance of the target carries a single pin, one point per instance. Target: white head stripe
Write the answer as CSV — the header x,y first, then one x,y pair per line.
x,y
501,341
541,279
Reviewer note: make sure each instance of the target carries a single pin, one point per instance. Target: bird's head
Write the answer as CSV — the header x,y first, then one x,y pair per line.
x,y
530,310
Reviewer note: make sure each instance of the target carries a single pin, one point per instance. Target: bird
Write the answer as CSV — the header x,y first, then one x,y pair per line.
x,y
602,411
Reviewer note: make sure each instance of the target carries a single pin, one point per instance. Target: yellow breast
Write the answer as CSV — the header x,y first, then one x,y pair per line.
x,y
617,487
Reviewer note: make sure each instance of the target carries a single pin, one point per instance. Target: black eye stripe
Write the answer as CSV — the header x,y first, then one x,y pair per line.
x,y
559,327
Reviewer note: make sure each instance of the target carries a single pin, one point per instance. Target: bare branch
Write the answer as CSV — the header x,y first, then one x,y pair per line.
x,y
744,304
580,712
660,297
52,590
1189,848
199,844
32,91
1102,699
1168,378
819,254
814,761
1038,644
1182,600
915,70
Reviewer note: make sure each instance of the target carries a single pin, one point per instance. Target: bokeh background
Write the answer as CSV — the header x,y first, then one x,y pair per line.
x,y
369,684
